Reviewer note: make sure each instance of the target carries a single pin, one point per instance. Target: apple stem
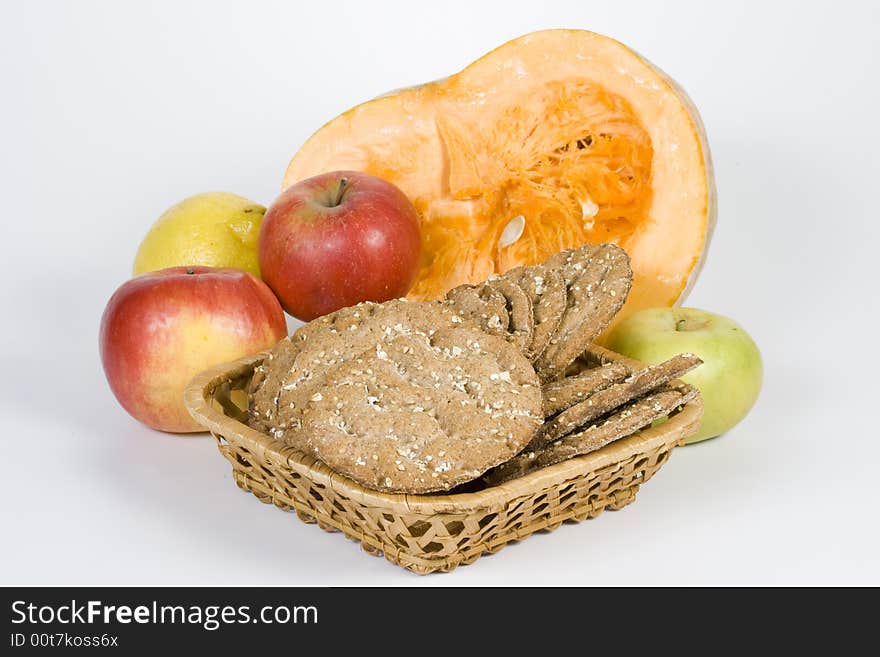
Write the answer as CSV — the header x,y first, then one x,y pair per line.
x,y
190,271
343,184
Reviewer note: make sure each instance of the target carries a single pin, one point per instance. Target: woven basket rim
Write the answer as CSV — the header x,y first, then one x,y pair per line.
x,y
201,388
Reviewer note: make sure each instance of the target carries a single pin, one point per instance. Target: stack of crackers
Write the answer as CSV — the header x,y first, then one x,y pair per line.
x,y
421,397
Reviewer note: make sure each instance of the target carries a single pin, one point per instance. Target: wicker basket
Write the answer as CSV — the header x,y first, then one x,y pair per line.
x,y
428,533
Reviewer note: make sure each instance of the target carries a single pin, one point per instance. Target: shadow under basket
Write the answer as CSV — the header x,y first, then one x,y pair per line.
x,y
436,532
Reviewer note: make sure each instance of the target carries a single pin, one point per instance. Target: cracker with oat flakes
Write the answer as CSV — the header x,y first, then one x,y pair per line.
x,y
481,304
610,397
419,413
568,391
597,279
297,370
518,306
269,376
266,382
623,422
545,288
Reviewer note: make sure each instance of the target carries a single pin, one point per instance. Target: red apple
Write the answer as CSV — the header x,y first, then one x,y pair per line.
x,y
162,328
337,239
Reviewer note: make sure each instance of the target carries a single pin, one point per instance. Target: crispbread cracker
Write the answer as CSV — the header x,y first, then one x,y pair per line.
x,y
266,382
328,341
597,279
481,304
521,323
418,413
623,422
559,395
605,400
545,288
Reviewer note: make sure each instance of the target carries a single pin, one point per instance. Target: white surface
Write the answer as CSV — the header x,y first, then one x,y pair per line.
x,y
111,112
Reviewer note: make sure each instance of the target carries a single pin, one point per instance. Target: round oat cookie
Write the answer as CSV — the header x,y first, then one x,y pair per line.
x,y
482,304
328,341
266,381
521,323
268,377
597,280
546,289
418,413
265,386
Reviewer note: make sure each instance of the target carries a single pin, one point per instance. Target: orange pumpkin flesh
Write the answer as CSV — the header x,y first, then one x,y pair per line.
x,y
570,130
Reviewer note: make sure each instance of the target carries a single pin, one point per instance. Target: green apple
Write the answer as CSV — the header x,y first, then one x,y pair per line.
x,y
729,378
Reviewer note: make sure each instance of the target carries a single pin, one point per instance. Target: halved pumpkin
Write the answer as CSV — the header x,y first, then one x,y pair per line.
x,y
569,130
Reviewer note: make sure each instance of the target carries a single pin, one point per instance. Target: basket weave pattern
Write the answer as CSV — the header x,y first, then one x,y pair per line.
x,y
428,533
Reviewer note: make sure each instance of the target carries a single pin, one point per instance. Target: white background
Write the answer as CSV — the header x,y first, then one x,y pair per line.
x,y
112,112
